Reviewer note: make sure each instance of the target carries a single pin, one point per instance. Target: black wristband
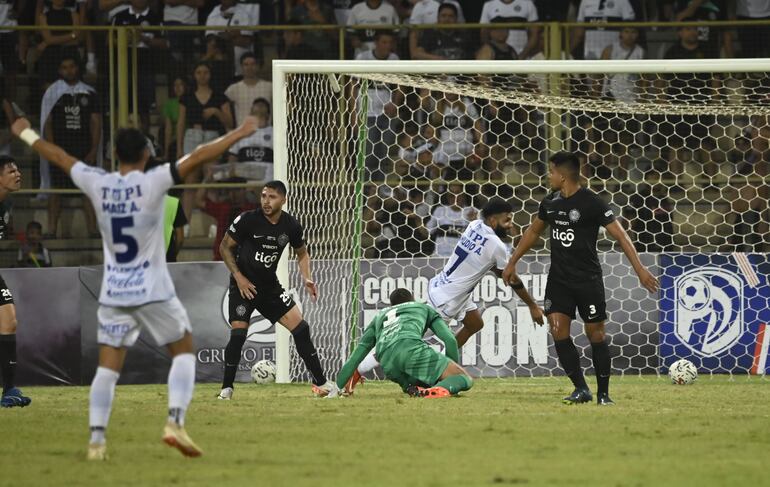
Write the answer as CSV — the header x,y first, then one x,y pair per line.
x,y
517,285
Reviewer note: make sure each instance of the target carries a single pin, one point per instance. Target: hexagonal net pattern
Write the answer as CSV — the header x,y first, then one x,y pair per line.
x,y
387,170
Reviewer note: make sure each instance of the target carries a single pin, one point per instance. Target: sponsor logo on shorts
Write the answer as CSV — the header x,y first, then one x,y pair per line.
x,y
240,310
114,329
547,305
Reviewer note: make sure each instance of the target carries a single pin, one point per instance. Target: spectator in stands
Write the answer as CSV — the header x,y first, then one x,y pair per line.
x,y
553,10
714,40
369,12
7,117
449,219
444,44
316,12
183,45
458,129
170,113
256,149
110,8
523,41
749,219
382,48
81,9
295,46
10,57
32,252
426,12
147,43
71,117
687,131
382,111
219,63
55,43
496,47
231,14
589,44
204,115
755,40
223,205
623,87
243,93
402,232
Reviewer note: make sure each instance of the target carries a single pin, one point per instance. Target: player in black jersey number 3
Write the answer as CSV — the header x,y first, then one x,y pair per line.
x,y
575,276
251,249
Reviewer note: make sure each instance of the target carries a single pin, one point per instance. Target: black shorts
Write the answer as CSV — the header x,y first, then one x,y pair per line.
x,y
587,297
5,294
272,304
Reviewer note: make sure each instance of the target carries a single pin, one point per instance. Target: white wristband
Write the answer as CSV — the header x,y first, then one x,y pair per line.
x,y
29,136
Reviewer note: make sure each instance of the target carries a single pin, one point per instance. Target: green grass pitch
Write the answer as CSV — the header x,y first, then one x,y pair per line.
x,y
502,432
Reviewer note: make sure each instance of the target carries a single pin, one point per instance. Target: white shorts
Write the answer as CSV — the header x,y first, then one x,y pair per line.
x,y
452,309
167,322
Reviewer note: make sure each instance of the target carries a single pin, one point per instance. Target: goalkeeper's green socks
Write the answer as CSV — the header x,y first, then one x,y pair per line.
x,y
456,383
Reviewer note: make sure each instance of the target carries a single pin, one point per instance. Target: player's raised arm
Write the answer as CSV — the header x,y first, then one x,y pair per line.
x,y
211,150
645,277
529,239
48,150
303,262
365,345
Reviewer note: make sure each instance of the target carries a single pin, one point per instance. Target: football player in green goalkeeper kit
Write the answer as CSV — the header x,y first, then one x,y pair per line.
x,y
397,332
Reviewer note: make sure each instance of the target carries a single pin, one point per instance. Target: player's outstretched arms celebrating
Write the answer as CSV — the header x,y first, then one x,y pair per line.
x,y
530,238
645,277
22,129
227,250
211,150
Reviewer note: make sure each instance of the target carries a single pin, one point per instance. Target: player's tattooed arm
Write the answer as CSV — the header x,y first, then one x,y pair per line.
x,y
303,261
227,250
645,277
528,240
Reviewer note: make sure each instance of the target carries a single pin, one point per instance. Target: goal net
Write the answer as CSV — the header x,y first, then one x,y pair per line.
x,y
387,162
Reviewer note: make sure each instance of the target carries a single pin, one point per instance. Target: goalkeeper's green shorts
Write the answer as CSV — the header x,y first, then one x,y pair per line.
x,y
413,362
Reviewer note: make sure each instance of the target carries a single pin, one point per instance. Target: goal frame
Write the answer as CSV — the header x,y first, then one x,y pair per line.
x,y
283,68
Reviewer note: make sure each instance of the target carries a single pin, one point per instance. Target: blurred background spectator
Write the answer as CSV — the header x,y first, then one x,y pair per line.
x,y
523,41
32,252
243,93
369,12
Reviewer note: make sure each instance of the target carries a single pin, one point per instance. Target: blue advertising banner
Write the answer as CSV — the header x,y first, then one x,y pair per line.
x,y
714,310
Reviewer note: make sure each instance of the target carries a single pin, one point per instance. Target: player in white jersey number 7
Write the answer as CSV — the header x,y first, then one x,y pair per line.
x,y
137,291
480,249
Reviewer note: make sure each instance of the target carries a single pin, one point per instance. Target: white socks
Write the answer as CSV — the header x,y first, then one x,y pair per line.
x,y
100,405
181,382
368,363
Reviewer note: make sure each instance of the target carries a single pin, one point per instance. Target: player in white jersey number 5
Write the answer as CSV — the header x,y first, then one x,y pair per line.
x,y
480,249
137,291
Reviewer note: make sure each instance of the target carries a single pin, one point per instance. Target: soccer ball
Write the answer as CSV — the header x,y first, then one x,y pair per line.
x,y
263,372
683,372
695,294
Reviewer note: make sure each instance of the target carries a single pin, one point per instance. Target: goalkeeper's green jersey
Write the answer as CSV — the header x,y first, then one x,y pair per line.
x,y
403,323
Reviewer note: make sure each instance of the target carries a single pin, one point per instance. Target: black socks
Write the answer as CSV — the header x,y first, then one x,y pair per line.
x,y
233,355
602,366
8,360
570,362
308,353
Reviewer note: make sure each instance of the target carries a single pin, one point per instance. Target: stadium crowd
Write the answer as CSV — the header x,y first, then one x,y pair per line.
x,y
432,158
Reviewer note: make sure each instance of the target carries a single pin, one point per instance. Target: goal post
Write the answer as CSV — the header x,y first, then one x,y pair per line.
x,y
385,160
